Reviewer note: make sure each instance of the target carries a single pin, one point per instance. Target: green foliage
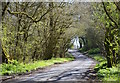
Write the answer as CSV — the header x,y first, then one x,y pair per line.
x,y
82,49
104,73
107,18
109,74
101,65
94,37
94,51
101,59
69,55
15,67
36,38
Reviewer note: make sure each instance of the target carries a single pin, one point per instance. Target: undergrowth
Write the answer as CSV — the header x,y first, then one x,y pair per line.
x,y
103,73
16,68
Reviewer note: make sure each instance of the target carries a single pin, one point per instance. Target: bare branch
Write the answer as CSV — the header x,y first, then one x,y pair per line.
x,y
32,17
42,15
4,9
14,13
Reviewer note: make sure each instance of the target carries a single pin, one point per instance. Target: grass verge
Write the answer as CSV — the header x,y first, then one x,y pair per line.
x,y
16,67
104,73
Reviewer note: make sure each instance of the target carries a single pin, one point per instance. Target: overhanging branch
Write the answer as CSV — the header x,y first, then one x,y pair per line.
x,y
33,19
15,13
109,15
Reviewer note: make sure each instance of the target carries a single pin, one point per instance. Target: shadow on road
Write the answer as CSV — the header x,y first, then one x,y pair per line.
x,y
77,70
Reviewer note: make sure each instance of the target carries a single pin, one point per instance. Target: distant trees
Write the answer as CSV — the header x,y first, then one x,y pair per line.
x,y
103,30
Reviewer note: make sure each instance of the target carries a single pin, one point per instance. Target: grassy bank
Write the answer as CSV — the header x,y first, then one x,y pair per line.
x,y
104,73
17,68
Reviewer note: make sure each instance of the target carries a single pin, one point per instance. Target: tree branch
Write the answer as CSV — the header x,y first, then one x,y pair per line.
x,y
33,19
109,15
4,9
36,10
117,5
14,13
42,15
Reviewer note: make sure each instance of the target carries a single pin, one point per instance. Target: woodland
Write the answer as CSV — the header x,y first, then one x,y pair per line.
x,y
31,32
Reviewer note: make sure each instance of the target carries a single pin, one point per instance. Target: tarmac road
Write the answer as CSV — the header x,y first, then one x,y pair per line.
x,y
69,71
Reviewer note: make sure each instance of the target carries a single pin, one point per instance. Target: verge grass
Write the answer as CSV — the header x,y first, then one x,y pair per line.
x,y
105,74
16,68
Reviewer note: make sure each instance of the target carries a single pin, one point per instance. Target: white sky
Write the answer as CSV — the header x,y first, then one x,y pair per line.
x,y
76,42
60,0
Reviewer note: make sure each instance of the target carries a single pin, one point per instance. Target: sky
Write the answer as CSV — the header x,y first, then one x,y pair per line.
x,y
76,42
59,0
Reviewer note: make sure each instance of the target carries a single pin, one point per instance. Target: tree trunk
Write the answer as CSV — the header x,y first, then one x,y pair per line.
x,y
50,46
80,44
4,57
83,41
108,54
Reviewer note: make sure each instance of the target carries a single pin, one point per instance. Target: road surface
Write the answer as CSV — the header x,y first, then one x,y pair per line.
x,y
69,71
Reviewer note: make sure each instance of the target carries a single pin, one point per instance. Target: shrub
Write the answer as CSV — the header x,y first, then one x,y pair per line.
x,y
69,55
94,51
104,73
99,58
102,65
109,74
82,49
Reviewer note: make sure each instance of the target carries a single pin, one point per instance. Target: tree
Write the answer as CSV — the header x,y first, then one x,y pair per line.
x,y
108,16
32,31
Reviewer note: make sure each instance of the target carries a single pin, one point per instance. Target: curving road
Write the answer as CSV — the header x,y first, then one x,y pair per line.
x,y
70,71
